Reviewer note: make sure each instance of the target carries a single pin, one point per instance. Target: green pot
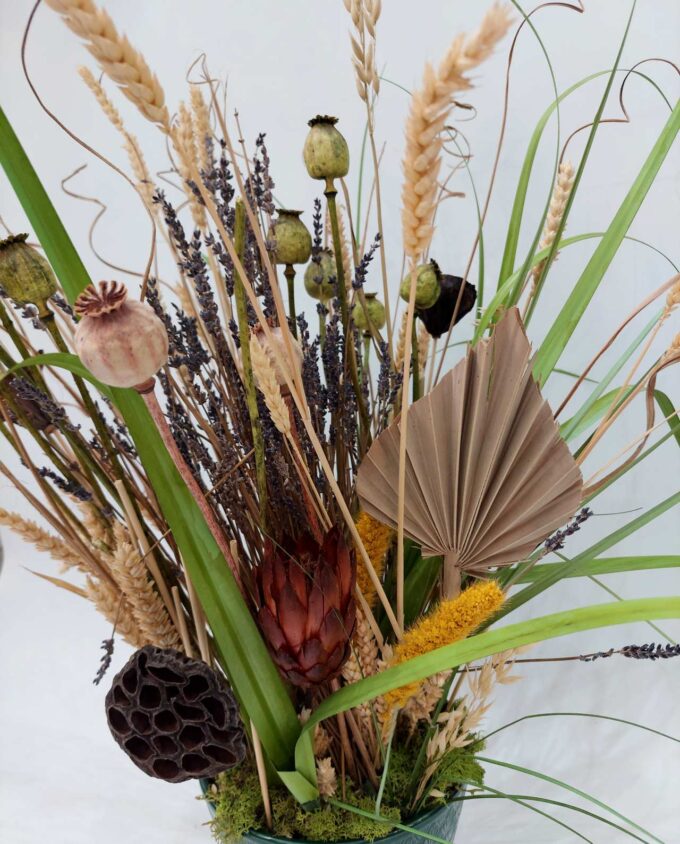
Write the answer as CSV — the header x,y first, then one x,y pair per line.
x,y
441,822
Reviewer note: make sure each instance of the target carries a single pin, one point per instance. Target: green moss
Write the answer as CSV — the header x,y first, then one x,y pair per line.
x,y
239,803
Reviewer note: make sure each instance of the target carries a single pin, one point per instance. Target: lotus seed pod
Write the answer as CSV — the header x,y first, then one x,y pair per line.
x,y
375,310
277,350
428,285
122,342
326,153
174,717
321,276
293,242
25,275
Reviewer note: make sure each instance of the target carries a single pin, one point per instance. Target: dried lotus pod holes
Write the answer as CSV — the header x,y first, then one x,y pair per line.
x,y
174,717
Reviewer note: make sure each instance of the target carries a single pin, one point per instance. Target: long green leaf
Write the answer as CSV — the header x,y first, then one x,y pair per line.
x,y
594,413
604,565
669,413
242,652
580,715
490,642
585,288
584,794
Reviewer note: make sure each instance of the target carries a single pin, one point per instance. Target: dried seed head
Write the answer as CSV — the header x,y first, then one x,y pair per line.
x,y
25,275
121,342
375,311
277,350
326,153
428,285
293,242
321,276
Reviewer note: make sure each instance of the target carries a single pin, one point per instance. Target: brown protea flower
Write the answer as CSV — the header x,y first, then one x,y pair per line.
x,y
307,610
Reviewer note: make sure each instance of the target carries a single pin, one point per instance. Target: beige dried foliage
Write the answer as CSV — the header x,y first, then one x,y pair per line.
x,y
266,381
558,202
188,153
421,706
119,60
364,14
107,600
456,727
201,126
327,779
132,576
41,539
428,114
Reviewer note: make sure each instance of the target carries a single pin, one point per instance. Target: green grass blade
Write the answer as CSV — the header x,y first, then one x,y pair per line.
x,y
594,413
668,410
578,565
240,647
560,332
490,642
580,715
605,565
374,816
568,428
572,789
518,798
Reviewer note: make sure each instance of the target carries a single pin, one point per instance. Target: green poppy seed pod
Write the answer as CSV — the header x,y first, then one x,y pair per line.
x,y
376,314
321,276
428,285
293,242
326,152
25,275
121,342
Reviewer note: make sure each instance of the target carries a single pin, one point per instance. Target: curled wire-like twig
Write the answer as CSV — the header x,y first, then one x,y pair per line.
x,y
85,145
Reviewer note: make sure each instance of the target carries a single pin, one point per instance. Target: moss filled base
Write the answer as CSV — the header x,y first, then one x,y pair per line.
x,y
238,805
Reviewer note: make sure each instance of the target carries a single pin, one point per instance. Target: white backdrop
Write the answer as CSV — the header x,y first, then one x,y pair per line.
x,y
62,780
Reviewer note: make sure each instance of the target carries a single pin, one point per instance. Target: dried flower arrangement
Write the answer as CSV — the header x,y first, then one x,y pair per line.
x,y
307,537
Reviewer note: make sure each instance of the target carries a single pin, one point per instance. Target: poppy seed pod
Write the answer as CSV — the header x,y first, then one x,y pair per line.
x,y
25,275
375,310
326,153
321,276
428,285
293,242
437,319
121,342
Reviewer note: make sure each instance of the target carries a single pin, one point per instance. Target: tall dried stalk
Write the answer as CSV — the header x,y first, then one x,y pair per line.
x,y
116,56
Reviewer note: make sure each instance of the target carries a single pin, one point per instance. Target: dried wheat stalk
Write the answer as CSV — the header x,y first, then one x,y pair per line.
x,y
145,184
429,111
365,14
42,540
188,151
146,606
201,126
265,378
116,56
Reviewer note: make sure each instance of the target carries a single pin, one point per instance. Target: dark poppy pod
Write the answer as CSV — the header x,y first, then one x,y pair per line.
x,y
174,717
437,319
307,610
25,275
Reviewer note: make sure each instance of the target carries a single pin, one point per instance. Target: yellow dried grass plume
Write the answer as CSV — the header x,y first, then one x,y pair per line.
x,y
451,621
376,538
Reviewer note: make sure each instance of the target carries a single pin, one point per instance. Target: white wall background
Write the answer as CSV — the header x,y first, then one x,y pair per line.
x,y
62,780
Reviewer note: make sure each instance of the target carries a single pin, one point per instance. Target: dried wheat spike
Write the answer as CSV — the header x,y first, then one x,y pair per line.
x,y
42,540
107,600
188,155
326,777
430,107
116,56
201,126
265,378
558,202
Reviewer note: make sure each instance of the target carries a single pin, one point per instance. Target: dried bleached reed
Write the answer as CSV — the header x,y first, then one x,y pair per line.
x,y
119,60
428,114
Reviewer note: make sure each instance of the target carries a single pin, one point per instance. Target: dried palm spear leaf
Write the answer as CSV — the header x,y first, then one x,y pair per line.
x,y
488,476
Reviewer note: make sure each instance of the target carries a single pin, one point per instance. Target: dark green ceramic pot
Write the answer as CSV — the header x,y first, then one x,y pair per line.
x,y
441,822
